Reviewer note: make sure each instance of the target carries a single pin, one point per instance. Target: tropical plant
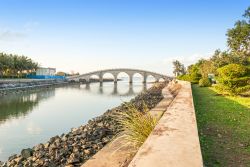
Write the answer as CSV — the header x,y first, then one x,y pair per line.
x,y
14,65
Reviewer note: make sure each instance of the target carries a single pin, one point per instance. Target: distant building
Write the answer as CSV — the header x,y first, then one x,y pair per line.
x,y
46,71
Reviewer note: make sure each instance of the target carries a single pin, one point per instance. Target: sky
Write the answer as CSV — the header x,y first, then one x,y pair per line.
x,y
88,35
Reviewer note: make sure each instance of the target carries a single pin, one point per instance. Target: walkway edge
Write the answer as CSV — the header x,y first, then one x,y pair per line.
x,y
174,142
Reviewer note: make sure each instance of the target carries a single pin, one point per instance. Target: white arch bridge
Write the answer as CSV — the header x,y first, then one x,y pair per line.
x,y
115,72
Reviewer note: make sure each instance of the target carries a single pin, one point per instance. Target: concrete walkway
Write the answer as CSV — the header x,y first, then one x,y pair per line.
x,y
174,142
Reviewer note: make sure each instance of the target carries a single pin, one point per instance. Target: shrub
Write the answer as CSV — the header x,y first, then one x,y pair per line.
x,y
233,79
136,125
185,77
232,71
205,82
193,78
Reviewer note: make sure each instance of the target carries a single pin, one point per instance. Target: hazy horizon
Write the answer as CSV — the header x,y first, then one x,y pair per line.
x,y
84,36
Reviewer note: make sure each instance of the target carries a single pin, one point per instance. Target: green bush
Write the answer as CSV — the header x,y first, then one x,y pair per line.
x,y
205,82
184,77
193,78
233,79
232,71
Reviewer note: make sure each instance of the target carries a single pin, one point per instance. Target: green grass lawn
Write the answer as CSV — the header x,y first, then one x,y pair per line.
x,y
224,128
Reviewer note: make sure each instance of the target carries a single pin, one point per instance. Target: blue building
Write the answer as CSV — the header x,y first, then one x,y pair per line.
x,y
45,73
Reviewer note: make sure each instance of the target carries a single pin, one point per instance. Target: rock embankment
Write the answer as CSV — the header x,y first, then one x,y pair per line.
x,y
17,86
77,146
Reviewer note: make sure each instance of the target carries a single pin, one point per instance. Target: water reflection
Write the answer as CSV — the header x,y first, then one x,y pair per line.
x,y
18,105
117,90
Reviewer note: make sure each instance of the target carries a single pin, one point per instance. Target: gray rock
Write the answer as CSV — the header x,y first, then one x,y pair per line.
x,y
26,153
38,147
46,145
12,157
74,158
87,151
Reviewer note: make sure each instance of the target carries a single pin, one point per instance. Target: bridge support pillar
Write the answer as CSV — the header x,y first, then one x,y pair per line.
x,y
87,80
115,90
101,78
144,78
115,79
130,79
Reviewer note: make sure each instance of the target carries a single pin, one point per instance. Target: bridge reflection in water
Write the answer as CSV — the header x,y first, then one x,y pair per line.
x,y
104,89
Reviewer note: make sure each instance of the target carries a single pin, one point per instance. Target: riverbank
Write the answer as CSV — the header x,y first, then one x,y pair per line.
x,y
81,143
8,86
16,86
224,127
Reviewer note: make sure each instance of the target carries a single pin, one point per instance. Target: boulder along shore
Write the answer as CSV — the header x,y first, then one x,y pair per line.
x,y
80,144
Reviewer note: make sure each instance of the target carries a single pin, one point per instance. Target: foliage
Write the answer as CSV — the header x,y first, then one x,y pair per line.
x,y
185,77
233,79
179,68
205,82
239,36
136,125
14,65
232,71
60,73
194,73
207,67
223,123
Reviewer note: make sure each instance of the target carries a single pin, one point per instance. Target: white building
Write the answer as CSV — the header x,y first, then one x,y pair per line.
x,y
46,71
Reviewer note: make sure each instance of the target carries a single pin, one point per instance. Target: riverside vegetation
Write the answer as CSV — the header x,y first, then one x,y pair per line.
x,y
16,66
223,111
231,68
77,146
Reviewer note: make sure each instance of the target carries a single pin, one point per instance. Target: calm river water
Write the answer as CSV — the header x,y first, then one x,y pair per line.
x,y
33,117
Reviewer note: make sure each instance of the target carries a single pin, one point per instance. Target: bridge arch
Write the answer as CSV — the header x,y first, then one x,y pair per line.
x,y
123,76
161,80
109,75
139,77
151,78
94,78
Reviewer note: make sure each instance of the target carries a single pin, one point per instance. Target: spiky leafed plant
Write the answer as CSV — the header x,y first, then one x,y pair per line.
x,y
136,125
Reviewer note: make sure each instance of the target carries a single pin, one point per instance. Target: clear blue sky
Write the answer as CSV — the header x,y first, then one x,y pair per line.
x,y
85,35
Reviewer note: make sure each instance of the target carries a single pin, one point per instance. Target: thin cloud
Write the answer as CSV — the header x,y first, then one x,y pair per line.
x,y
188,60
8,35
29,26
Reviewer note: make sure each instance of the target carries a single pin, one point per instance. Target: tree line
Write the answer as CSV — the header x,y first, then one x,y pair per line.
x,y
231,67
16,66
